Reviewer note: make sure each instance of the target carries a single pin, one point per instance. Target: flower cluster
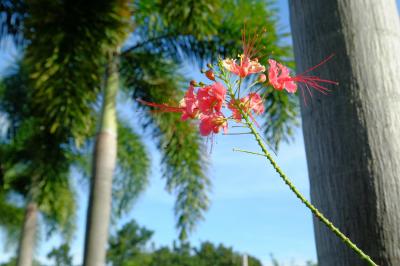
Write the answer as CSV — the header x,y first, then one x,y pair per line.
x,y
205,103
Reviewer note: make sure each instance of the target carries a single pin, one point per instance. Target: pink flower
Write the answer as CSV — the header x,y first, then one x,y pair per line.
x,y
280,79
212,123
251,102
211,98
247,64
245,67
235,111
254,102
189,105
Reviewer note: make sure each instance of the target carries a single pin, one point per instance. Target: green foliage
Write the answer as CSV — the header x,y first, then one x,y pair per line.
x,y
220,255
281,113
13,262
69,43
57,204
34,164
184,165
128,243
61,255
132,171
128,248
182,149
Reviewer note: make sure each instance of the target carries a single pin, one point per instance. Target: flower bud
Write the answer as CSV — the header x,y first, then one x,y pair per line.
x,y
262,78
193,83
210,75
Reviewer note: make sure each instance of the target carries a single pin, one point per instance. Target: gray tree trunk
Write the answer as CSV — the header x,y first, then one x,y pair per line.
x,y
352,136
104,160
28,236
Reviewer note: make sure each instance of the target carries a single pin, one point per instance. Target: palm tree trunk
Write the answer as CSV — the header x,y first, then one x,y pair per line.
x,y
28,233
104,161
352,136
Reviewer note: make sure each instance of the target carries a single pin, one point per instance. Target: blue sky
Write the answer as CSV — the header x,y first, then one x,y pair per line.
x,y
251,209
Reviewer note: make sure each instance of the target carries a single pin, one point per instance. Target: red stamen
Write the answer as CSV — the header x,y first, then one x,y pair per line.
x,y
314,81
250,43
162,107
318,65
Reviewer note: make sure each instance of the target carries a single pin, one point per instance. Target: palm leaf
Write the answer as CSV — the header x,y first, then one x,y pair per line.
x,y
12,14
68,45
182,149
131,177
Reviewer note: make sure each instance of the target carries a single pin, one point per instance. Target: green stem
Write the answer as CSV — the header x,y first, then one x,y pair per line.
x,y
249,152
292,187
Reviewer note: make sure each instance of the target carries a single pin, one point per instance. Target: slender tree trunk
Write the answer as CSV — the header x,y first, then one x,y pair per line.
x,y
28,233
104,161
352,135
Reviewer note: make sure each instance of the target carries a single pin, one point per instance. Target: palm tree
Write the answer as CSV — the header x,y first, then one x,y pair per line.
x,y
19,163
41,181
351,137
69,44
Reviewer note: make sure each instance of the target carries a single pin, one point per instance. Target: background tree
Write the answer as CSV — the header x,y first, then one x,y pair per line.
x,y
61,255
29,178
128,243
54,202
351,137
130,247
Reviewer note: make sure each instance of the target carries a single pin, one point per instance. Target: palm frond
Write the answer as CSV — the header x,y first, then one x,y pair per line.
x,y
68,45
57,203
12,14
182,149
30,156
281,116
133,162
183,158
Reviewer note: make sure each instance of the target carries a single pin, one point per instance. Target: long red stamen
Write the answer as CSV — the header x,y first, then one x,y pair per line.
x,y
162,107
250,43
314,81
313,84
318,65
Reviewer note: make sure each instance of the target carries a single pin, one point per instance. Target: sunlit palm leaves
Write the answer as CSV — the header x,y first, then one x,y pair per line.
x,y
27,162
183,151
68,45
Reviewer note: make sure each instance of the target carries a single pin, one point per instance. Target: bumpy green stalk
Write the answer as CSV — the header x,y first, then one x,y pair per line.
x,y
292,187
